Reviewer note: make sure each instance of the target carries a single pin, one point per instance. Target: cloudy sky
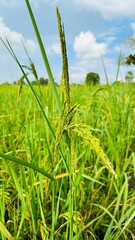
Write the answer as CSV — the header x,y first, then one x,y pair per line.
x,y
93,29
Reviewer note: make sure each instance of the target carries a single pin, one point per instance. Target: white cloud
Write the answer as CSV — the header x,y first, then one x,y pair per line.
x,y
88,58
5,32
9,4
108,8
38,3
118,49
6,61
86,47
54,49
128,46
15,38
133,28
109,39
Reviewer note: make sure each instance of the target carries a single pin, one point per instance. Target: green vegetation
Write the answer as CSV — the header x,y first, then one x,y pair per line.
x,y
92,79
129,76
102,204
67,157
130,59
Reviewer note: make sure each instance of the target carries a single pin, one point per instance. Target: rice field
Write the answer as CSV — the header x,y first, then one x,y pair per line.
x,y
31,204
67,157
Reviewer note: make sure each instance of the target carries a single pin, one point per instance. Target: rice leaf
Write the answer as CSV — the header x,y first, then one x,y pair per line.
x,y
44,56
6,233
27,164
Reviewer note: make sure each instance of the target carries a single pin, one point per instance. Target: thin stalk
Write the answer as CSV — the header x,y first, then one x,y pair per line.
x,y
44,56
69,135
118,68
65,75
53,212
33,207
106,76
5,232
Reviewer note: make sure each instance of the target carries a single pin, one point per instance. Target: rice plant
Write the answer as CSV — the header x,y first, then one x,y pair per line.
x,y
67,163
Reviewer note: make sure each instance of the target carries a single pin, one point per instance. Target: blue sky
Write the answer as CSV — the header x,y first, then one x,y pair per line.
x,y
92,28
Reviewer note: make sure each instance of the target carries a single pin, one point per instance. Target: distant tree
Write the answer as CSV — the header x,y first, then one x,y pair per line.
x,y
5,83
33,82
14,82
130,59
92,78
116,83
129,76
43,81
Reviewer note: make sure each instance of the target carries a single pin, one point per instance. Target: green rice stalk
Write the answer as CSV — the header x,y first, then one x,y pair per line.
x,y
85,132
43,230
44,56
129,220
76,218
65,88
20,82
6,233
33,206
106,211
53,212
32,66
65,74
106,76
65,121
2,202
2,205
69,113
92,179
125,197
58,204
33,70
116,210
118,67
120,224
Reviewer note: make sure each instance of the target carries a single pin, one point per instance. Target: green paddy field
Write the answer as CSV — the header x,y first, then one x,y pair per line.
x,y
87,188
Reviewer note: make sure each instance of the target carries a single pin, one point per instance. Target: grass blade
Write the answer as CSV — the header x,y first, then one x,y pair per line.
x,y
27,164
118,67
4,230
107,80
45,59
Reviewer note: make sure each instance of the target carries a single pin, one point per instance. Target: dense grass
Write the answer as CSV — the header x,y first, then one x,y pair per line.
x,y
104,207
67,157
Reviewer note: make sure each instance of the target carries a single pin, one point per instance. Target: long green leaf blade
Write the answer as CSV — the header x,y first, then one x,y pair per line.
x,y
27,164
6,233
45,59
